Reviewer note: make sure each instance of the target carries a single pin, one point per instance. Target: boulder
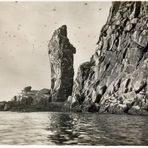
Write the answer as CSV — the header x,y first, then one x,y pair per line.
x,y
27,89
2,104
6,106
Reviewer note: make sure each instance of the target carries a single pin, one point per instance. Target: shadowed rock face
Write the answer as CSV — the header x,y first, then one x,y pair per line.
x,y
116,77
61,61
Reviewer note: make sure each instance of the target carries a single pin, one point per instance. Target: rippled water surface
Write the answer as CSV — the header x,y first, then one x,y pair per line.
x,y
72,129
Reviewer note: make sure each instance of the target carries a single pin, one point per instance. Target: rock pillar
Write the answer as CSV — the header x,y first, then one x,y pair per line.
x,y
61,53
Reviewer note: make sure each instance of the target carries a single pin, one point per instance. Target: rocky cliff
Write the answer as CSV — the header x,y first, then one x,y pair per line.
x,y
115,80
61,61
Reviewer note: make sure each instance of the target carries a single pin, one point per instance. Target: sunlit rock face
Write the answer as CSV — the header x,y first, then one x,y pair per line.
x,y
115,79
61,53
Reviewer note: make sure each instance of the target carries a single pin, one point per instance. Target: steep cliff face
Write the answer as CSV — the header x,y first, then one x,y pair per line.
x,y
115,79
61,61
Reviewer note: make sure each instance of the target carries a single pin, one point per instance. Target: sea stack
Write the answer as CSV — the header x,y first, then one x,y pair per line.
x,y
61,53
115,80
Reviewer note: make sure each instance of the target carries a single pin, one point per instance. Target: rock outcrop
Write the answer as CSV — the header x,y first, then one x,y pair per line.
x,y
29,100
61,61
115,80
62,72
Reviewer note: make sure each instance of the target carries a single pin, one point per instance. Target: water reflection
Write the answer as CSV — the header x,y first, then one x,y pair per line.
x,y
72,129
94,129
63,129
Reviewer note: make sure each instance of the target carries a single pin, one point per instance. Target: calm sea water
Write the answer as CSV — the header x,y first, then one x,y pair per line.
x,y
72,129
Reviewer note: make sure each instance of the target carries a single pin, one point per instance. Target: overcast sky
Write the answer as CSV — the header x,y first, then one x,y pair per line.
x,y
25,30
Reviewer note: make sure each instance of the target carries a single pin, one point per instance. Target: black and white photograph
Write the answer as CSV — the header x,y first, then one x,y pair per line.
x,y
74,73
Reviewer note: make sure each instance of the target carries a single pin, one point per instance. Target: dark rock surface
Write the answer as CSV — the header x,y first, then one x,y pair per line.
x,y
62,72
31,100
61,61
115,80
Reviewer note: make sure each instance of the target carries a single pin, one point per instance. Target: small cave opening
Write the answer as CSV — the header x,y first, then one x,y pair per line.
x,y
124,53
145,48
107,65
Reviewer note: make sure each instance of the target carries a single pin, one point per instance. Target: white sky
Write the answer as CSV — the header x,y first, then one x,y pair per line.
x,y
25,30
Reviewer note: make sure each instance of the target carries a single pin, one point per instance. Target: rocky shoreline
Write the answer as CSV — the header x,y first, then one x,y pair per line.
x,y
31,100
115,80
